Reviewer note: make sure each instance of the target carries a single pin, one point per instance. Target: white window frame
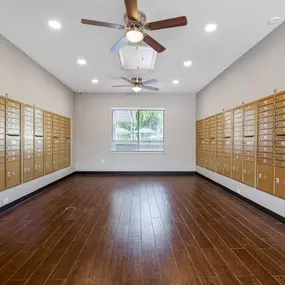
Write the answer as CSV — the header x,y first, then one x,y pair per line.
x,y
139,151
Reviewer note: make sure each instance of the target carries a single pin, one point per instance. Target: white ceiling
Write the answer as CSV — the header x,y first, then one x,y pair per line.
x,y
241,24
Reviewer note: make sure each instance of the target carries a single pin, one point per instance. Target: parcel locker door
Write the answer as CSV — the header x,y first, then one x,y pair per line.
x,y
28,169
208,161
2,174
249,173
227,167
39,166
237,169
213,162
55,161
219,165
265,178
48,164
280,182
67,159
13,173
61,162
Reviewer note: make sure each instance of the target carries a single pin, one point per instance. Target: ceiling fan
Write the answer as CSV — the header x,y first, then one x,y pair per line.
x,y
138,84
136,27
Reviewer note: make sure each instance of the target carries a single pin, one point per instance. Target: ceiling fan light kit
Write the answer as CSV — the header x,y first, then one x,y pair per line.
x,y
137,89
134,35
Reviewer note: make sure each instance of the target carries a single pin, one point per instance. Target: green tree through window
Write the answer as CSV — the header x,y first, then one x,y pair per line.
x,y
138,130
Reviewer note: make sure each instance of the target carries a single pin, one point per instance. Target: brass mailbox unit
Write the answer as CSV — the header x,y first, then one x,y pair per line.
x,y
237,144
33,142
210,143
200,143
39,142
28,145
247,144
265,150
13,143
279,146
223,143
2,144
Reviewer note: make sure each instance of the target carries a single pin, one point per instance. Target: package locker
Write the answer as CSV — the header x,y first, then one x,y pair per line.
x,y
210,143
2,143
48,142
200,142
67,142
265,150
237,143
13,143
56,141
227,147
62,146
28,142
279,156
39,143
249,144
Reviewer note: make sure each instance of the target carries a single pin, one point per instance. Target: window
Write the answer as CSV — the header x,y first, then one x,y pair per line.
x,y
137,130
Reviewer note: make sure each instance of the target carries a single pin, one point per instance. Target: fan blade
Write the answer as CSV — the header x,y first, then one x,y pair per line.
x,y
132,9
150,88
153,43
168,23
149,81
128,80
119,44
122,86
101,24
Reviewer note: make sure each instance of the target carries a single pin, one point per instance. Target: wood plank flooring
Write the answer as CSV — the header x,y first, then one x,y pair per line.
x,y
139,230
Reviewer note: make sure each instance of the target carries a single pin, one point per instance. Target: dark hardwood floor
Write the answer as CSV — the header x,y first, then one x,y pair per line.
x,y
139,230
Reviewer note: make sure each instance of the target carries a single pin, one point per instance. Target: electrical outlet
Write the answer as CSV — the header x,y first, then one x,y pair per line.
x,y
238,190
5,201
102,160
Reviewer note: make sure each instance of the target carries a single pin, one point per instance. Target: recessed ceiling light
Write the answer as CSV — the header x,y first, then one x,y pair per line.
x,y
81,61
175,82
210,28
274,20
95,81
56,25
187,63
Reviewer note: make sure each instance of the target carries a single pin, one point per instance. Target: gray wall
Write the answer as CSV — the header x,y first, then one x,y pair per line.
x,y
93,133
26,81
253,76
